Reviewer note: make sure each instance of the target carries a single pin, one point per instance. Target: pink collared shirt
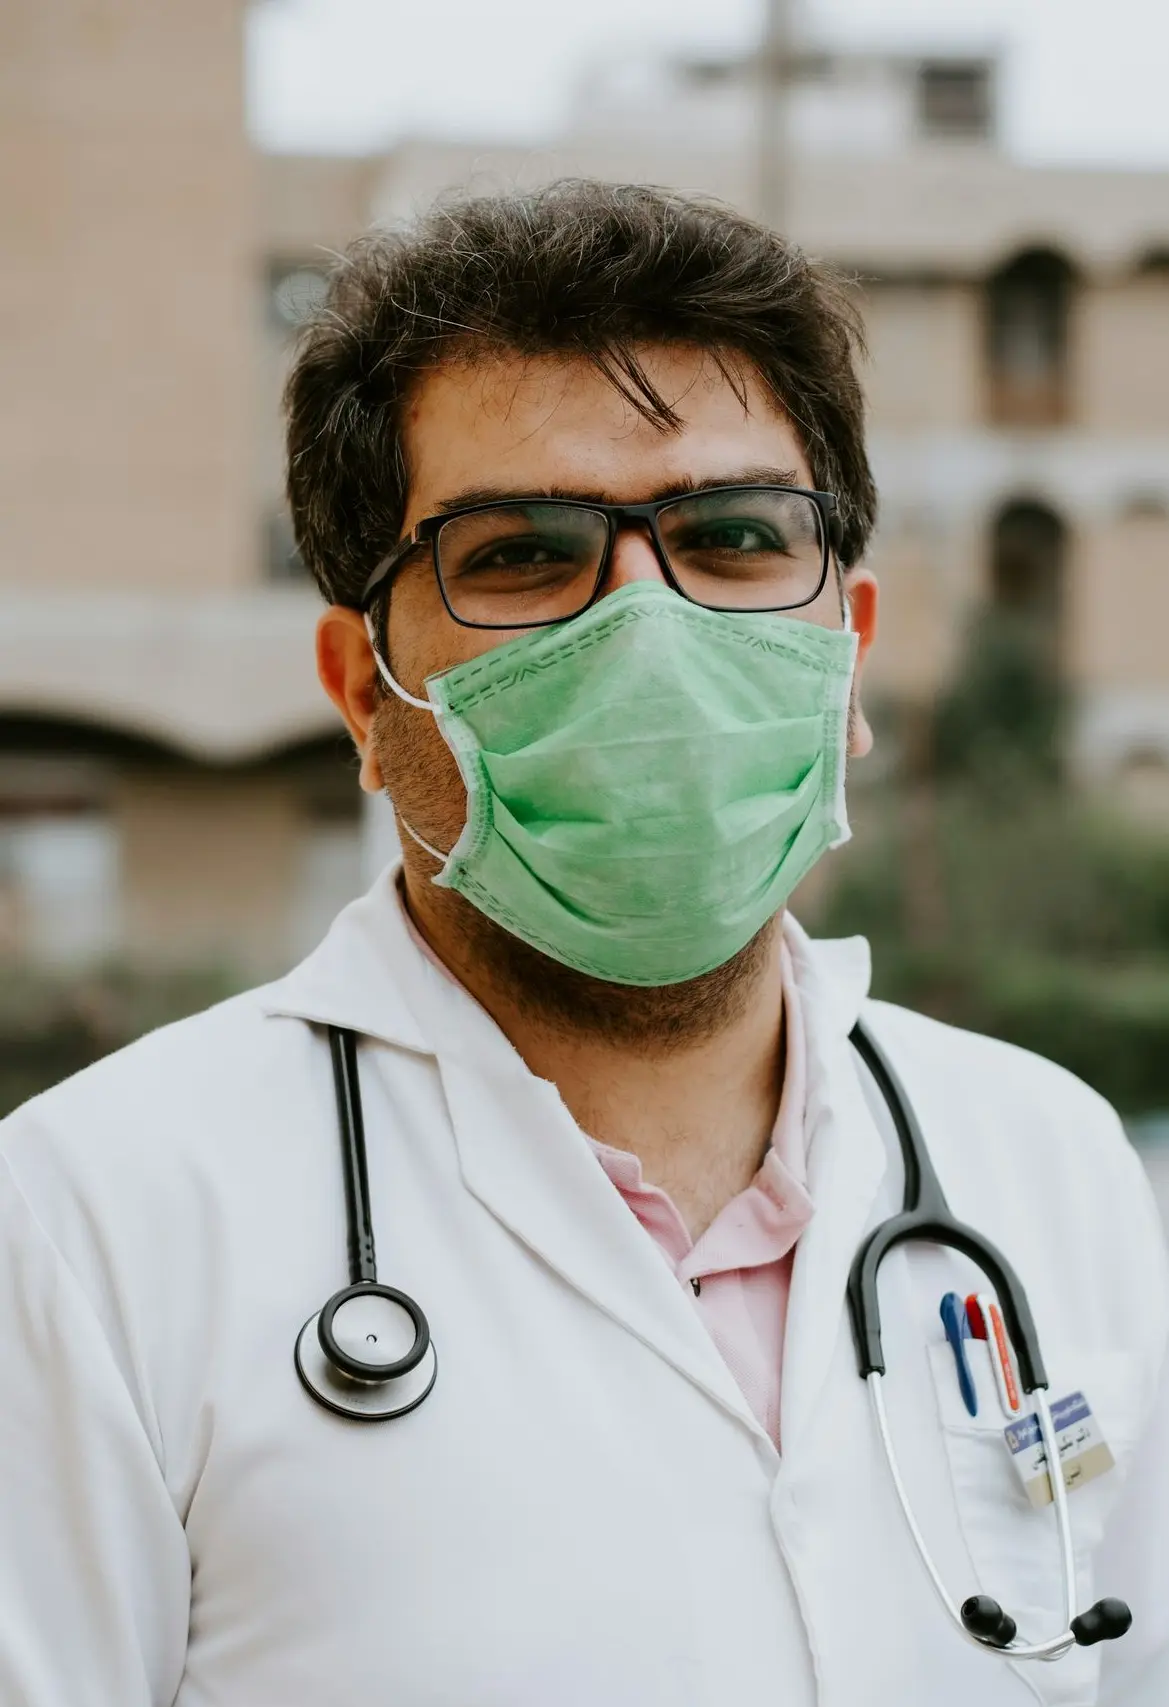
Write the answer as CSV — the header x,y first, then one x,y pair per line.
x,y
739,1272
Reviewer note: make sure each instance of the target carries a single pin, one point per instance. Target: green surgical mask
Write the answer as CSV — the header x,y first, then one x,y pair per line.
x,y
648,782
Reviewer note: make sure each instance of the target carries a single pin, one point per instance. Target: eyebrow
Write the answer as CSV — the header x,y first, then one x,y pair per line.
x,y
680,488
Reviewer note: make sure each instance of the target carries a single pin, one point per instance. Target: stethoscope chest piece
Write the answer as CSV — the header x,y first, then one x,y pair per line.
x,y
367,1354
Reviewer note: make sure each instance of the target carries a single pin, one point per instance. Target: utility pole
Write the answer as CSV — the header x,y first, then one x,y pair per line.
x,y
774,78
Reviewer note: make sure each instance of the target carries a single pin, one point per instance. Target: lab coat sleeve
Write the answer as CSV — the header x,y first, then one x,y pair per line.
x,y
1133,1561
94,1568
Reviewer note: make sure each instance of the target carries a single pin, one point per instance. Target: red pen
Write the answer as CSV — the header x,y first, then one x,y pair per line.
x,y
995,1332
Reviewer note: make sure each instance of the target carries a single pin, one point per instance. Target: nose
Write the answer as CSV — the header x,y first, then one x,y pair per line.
x,y
634,559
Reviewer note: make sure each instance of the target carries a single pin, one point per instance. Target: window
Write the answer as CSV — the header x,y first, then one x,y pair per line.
x,y
954,100
328,875
59,887
295,290
1027,334
283,561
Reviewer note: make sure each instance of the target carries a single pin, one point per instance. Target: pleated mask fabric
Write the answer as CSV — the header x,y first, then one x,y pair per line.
x,y
648,782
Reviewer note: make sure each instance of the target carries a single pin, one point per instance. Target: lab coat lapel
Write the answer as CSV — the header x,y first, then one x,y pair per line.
x,y
846,1164
520,1152
527,1162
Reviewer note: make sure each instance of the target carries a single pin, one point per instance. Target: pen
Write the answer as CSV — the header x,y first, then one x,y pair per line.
x,y
953,1313
1000,1354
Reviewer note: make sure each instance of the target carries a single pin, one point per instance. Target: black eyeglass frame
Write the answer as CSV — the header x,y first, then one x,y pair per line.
x,y
616,517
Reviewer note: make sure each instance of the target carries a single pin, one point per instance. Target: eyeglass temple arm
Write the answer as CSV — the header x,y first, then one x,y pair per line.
x,y
388,567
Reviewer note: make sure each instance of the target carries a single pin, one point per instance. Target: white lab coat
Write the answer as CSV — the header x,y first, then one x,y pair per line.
x,y
584,1511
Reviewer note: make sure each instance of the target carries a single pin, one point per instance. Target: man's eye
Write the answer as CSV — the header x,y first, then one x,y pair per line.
x,y
517,554
733,536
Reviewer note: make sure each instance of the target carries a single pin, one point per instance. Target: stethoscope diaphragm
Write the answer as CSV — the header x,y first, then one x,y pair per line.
x,y
367,1354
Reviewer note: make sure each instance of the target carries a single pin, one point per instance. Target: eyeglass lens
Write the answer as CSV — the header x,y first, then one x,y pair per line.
x,y
521,564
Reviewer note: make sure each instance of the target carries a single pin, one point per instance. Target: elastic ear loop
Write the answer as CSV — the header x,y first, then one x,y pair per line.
x,y
410,699
386,676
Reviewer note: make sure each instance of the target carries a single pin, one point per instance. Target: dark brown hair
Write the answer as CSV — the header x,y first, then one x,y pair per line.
x,y
578,268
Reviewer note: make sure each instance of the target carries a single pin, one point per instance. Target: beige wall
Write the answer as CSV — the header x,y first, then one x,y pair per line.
x,y
1122,356
925,348
920,620
308,205
125,291
1119,604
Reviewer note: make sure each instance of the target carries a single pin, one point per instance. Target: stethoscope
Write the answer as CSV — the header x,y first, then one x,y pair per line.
x,y
925,1218
368,1353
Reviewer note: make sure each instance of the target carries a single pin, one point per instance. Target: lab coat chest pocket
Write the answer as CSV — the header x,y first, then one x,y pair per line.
x,y
1013,1546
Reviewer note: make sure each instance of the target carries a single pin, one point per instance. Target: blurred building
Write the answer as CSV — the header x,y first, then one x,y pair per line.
x,y
173,787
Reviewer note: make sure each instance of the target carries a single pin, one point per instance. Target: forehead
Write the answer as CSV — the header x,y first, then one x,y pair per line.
x,y
547,423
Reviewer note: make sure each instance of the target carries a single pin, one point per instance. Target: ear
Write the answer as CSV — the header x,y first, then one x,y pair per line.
x,y
348,675
861,591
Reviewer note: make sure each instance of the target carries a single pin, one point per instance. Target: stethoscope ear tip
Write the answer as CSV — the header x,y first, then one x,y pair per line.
x,y
1104,1622
984,1617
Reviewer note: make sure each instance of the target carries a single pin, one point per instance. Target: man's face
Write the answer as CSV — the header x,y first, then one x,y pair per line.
x,y
547,426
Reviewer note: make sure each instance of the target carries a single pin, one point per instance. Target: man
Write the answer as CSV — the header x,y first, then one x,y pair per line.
x,y
582,477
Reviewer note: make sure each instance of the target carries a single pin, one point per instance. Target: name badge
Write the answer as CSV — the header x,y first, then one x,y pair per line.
x,y
1084,1453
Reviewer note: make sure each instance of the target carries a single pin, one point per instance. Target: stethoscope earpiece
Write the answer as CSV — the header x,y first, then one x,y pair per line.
x,y
1103,1622
984,1617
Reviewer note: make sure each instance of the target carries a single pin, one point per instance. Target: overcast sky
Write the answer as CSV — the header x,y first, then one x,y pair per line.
x,y
1084,81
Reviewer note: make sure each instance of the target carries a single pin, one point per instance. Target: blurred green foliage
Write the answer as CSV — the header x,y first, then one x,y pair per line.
x,y
1007,706
998,897
1048,925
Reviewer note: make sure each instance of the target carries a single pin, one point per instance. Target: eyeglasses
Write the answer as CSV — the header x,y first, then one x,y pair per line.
x,y
530,562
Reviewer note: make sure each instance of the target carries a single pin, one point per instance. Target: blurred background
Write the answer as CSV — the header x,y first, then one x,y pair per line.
x,y
178,813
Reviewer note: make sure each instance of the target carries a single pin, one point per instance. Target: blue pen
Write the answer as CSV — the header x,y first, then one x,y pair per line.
x,y
953,1314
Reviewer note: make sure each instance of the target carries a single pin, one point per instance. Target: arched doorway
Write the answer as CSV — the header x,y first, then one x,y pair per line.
x,y
1021,639
1028,553
1027,311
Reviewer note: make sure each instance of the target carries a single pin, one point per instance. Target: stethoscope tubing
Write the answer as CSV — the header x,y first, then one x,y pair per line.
x,y
354,1166
925,1218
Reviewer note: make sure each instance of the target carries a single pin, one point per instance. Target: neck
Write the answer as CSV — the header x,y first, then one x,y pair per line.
x,y
687,1078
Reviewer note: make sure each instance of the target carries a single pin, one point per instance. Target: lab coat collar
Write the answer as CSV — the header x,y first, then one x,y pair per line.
x,y
364,975
525,1159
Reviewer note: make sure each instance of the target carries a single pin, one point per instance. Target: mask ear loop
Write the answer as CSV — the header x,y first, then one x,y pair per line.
x,y
410,699
387,677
